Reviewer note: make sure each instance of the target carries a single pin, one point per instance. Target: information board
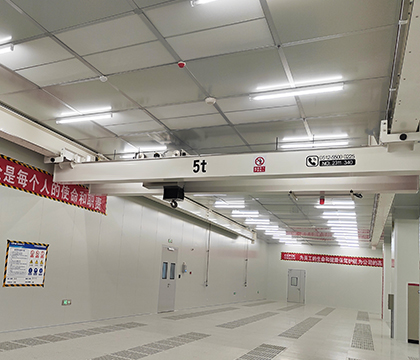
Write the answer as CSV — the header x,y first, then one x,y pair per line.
x,y
25,264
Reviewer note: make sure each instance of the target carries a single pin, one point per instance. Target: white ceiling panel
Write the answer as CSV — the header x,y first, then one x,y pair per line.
x,y
80,131
195,122
71,13
244,103
225,150
35,103
353,57
125,117
131,58
159,86
236,74
140,141
354,125
216,137
212,15
232,38
11,82
90,95
136,127
121,32
34,53
145,3
108,146
174,111
58,72
15,24
359,96
255,134
298,20
278,113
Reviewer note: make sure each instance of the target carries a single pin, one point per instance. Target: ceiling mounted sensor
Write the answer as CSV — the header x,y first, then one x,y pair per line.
x,y
210,100
181,64
299,91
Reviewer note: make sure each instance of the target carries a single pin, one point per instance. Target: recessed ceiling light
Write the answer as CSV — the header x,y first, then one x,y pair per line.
x,y
200,2
6,48
314,145
298,83
5,39
83,118
309,90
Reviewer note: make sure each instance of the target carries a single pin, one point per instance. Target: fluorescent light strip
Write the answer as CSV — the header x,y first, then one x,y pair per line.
x,y
315,145
200,2
6,49
5,39
87,111
303,83
342,223
257,221
245,212
315,137
83,118
338,213
317,89
338,207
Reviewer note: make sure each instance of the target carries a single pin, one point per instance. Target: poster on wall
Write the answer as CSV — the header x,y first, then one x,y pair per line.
x,y
332,259
25,264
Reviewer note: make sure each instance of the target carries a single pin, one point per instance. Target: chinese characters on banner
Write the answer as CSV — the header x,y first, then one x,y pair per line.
x,y
20,176
25,264
333,259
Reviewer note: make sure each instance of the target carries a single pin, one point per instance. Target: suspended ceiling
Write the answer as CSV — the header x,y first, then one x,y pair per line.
x,y
75,57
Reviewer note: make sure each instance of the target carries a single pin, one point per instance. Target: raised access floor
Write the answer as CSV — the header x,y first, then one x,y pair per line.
x,y
257,330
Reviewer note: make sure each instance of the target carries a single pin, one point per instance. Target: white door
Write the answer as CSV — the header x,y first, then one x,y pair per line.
x,y
296,286
167,285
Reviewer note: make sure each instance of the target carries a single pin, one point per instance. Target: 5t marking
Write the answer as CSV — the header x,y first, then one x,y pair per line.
x,y
197,166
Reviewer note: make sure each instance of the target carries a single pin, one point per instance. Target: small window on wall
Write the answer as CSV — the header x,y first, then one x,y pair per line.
x,y
172,273
165,270
294,281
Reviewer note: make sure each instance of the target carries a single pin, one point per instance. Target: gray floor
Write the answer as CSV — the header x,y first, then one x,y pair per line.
x,y
247,331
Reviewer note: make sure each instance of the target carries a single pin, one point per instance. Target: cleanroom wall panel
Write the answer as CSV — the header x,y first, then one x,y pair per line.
x,y
349,286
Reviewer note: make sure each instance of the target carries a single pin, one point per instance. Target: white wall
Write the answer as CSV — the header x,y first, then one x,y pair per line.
x,y
348,286
109,266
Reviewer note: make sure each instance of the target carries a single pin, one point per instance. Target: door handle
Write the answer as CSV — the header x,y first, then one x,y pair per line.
x,y
169,285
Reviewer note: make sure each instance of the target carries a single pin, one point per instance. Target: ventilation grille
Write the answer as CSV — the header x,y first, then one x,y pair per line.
x,y
291,307
362,337
45,339
325,312
142,351
199,313
247,320
260,303
263,352
362,316
298,330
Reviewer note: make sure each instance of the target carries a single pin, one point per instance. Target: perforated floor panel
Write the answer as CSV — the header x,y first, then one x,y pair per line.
x,y
142,351
362,316
291,307
45,339
247,320
260,303
326,311
362,337
199,313
263,352
298,330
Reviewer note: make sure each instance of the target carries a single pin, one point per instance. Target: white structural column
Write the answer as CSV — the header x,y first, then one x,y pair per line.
x,y
405,256
387,277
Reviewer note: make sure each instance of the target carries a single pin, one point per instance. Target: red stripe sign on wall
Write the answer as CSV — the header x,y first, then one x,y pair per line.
x,y
17,175
333,259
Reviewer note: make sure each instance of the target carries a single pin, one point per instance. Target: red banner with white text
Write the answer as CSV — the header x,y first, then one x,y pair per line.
x,y
17,175
333,259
